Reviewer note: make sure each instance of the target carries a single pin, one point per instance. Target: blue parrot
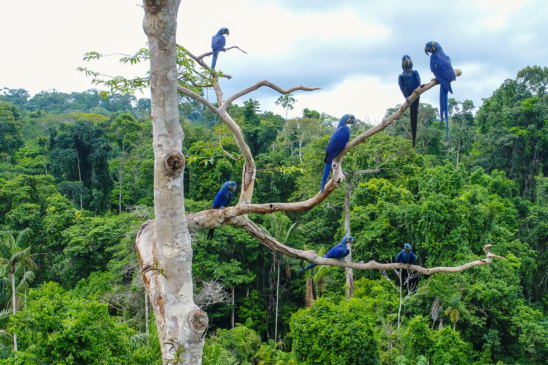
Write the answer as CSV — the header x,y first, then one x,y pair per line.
x,y
336,252
222,199
409,80
218,42
336,144
406,256
440,64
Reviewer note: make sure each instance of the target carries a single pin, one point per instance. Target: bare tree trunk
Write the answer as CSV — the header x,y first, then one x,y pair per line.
x,y
120,181
458,154
45,165
349,271
401,305
309,298
232,302
277,298
146,311
300,147
80,178
165,244
14,305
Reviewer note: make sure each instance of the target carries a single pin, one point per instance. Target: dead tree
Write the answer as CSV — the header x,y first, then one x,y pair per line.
x,y
164,245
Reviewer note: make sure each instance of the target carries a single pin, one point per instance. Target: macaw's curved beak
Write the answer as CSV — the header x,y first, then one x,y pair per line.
x,y
352,121
232,187
227,33
428,49
407,62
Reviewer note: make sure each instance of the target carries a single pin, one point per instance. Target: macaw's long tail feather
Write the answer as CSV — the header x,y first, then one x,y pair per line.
x,y
414,117
214,62
443,108
445,97
306,268
210,234
325,175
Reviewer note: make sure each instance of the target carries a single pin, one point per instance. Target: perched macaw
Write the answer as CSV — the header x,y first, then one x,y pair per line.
x,y
406,256
409,80
440,64
336,252
218,42
336,144
222,199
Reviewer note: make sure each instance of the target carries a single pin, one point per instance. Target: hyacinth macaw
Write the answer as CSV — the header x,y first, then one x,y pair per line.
x,y
409,80
406,256
222,199
218,42
440,64
336,144
337,252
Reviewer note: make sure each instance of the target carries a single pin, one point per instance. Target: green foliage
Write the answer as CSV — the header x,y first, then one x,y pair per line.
x,y
486,185
10,128
57,328
334,334
241,342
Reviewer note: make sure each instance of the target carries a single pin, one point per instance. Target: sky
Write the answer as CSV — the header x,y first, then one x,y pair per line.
x,y
352,49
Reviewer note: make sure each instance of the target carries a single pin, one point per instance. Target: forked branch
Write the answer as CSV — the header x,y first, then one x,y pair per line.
x,y
239,94
312,256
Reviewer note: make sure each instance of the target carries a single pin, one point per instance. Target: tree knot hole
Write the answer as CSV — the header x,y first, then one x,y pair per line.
x,y
174,161
198,321
154,6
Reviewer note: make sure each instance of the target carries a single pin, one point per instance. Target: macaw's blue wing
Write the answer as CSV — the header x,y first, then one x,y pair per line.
x,y
219,199
229,198
413,258
218,42
417,79
441,67
400,82
335,253
399,258
336,144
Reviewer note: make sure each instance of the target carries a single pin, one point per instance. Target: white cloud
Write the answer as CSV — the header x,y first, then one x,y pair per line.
x,y
350,48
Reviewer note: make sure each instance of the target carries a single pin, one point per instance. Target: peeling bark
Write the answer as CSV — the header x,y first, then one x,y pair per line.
x,y
165,244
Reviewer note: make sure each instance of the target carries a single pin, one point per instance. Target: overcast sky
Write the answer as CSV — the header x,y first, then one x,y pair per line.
x,y
351,49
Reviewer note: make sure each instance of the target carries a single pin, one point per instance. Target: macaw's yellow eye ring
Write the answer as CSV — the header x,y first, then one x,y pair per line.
x,y
433,43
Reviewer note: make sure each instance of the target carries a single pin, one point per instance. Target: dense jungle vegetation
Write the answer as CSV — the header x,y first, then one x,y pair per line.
x,y
76,183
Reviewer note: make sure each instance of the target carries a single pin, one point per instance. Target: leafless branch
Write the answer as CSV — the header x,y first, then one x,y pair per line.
x,y
207,54
212,292
228,154
201,62
239,94
405,128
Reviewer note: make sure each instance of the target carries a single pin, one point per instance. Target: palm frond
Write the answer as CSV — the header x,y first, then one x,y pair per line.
x,y
24,282
291,232
5,317
23,238
6,338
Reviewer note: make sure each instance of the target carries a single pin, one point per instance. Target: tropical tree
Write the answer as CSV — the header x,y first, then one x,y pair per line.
x,y
125,132
16,255
281,228
455,307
